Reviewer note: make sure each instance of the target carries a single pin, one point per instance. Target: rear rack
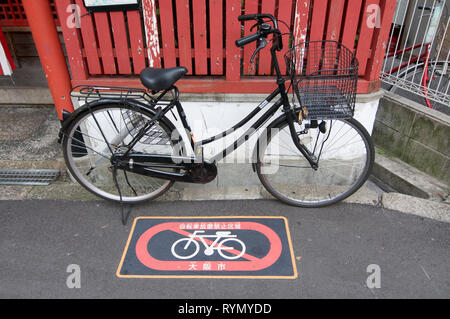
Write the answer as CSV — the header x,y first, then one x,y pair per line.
x,y
88,93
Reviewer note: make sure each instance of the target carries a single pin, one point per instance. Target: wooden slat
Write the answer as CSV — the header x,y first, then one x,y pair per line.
x,y
284,14
167,33
72,42
335,19
316,33
200,37
365,38
184,34
105,42
251,7
333,30
380,40
151,33
89,40
318,20
233,32
351,19
120,42
265,58
136,41
301,18
351,23
216,36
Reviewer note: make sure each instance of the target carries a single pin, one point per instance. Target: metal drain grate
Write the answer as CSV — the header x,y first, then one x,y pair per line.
x,y
28,177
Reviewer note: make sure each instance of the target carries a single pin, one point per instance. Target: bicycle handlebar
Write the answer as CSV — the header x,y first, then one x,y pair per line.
x,y
247,17
264,29
248,39
259,17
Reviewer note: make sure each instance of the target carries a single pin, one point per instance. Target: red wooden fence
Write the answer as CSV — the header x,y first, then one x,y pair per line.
x,y
13,15
112,48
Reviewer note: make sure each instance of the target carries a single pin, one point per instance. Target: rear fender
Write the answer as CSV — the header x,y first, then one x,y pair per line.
x,y
69,117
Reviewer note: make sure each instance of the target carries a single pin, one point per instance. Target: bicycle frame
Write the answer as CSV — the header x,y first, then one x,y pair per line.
x,y
197,147
282,101
213,244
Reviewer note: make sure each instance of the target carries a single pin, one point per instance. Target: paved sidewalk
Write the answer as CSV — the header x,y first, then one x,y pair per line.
x,y
332,247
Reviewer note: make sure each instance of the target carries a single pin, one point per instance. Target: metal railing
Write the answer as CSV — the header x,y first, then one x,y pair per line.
x,y
417,63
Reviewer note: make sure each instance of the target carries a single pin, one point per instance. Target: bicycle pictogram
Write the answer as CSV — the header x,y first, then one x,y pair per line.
x,y
227,245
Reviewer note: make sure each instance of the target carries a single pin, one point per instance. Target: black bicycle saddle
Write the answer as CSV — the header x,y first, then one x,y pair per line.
x,y
161,79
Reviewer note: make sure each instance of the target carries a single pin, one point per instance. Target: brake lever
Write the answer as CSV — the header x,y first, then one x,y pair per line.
x,y
262,45
253,26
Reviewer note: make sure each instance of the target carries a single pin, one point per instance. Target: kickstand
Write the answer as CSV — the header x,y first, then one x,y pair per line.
x,y
124,216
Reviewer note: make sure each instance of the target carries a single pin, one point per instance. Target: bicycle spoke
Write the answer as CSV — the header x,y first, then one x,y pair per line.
x,y
106,130
341,167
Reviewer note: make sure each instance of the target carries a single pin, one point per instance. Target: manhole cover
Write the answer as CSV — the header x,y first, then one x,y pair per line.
x,y
28,177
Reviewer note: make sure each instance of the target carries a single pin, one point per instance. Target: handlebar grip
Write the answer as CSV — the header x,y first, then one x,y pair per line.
x,y
248,39
247,17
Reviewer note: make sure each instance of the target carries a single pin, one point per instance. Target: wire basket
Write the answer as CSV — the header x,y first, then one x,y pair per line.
x,y
324,76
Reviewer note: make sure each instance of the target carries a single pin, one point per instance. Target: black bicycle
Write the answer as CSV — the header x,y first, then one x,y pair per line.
x,y
122,146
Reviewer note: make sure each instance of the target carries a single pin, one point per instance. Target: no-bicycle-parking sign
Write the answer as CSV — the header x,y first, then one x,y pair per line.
x,y
214,247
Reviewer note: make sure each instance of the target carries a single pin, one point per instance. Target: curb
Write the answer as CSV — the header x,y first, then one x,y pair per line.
x,y
67,190
29,96
416,206
391,174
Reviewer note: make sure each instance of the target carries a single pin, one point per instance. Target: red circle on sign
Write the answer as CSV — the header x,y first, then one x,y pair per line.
x,y
254,264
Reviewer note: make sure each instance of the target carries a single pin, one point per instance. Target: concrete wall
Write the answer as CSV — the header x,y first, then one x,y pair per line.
x,y
414,134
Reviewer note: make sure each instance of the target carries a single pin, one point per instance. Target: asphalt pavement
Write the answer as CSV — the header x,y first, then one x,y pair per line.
x,y
335,251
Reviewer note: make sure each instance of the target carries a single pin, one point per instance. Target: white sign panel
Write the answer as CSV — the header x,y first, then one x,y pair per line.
x,y
111,5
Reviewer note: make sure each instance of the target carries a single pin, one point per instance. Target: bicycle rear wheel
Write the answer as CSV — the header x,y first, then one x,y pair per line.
x,y
345,154
103,130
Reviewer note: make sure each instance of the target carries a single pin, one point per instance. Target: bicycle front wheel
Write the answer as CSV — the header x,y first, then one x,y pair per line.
x,y
344,151
97,134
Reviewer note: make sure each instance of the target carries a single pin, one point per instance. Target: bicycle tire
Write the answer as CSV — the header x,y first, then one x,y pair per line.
x,y
282,186
134,188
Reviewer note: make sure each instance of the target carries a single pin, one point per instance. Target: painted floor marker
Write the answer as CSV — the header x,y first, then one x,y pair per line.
x,y
209,247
